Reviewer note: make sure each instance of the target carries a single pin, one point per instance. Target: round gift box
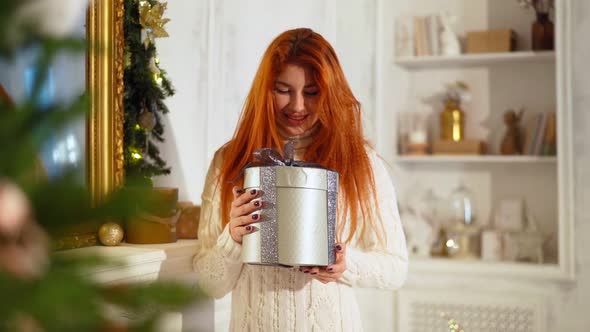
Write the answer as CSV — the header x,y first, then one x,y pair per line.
x,y
298,217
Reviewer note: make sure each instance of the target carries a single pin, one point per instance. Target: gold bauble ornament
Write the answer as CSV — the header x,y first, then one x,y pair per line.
x,y
110,234
147,120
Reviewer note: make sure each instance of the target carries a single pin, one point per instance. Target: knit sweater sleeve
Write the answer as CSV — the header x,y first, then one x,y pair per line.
x,y
370,264
218,261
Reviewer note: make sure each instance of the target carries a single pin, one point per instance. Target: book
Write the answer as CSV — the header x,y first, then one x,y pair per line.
x,y
404,36
434,28
539,135
549,146
419,37
530,133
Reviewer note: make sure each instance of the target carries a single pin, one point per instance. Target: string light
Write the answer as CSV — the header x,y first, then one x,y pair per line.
x,y
135,153
158,79
137,127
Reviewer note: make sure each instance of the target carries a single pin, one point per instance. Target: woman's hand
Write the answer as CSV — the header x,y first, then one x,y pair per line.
x,y
332,272
240,217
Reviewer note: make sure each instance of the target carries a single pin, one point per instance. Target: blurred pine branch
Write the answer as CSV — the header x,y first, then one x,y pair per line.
x,y
54,291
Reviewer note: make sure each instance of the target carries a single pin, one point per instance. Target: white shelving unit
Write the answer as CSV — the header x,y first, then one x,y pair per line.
x,y
475,60
501,81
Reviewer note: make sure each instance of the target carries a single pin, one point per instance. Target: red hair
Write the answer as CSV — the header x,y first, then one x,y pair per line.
x,y
339,143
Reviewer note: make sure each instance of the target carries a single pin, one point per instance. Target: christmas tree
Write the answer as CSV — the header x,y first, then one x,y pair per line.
x,y
146,87
44,290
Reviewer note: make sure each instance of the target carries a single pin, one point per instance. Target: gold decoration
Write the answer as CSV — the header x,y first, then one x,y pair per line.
x,y
150,18
452,122
153,66
452,119
119,37
75,241
110,234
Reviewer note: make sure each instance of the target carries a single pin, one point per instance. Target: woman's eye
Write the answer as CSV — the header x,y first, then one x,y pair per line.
x,y
312,93
281,91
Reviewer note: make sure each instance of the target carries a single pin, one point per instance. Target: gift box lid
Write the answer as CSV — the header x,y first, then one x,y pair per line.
x,y
291,177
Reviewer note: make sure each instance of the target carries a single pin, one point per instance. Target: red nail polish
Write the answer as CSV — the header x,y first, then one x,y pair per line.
x,y
330,269
314,273
248,228
257,203
255,217
253,191
338,247
239,191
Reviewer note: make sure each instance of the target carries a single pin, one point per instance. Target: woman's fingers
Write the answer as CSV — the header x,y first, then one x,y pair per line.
x,y
243,230
237,233
246,220
241,213
245,209
241,225
244,197
331,272
237,191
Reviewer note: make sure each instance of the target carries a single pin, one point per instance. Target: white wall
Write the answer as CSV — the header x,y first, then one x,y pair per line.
x,y
185,58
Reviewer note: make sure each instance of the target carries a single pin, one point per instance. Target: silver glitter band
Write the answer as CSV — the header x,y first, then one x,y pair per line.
x,y
332,208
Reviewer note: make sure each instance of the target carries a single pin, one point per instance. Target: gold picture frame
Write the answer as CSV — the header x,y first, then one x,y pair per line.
x,y
104,125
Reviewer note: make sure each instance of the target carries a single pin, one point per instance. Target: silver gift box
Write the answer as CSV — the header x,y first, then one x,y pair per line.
x,y
298,221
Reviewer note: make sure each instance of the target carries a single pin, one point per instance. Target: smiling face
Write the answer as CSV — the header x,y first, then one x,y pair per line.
x,y
296,97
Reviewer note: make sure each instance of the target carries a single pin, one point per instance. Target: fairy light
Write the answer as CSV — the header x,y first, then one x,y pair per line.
x,y
158,79
136,155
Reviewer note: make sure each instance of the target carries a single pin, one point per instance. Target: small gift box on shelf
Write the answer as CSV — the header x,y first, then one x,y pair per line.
x,y
298,221
490,41
158,225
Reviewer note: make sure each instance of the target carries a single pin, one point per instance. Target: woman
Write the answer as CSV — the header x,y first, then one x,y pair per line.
x,y
300,93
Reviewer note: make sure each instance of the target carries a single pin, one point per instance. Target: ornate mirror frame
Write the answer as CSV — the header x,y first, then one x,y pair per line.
x,y
104,126
105,84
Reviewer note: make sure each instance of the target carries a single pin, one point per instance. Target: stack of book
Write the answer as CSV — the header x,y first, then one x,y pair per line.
x,y
418,35
541,135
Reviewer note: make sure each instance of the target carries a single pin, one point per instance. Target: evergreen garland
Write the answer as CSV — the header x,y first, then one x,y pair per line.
x,y
144,92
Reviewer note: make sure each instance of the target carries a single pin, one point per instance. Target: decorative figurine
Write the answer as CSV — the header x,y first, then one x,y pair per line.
x,y
448,38
512,141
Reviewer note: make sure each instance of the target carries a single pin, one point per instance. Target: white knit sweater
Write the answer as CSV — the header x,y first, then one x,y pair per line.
x,y
266,298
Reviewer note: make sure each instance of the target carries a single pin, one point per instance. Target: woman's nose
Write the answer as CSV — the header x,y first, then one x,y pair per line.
x,y
298,102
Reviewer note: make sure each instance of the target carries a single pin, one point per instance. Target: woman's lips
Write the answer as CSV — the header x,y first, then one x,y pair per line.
x,y
296,119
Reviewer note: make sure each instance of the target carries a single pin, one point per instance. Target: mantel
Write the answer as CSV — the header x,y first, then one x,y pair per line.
x,y
149,262
143,262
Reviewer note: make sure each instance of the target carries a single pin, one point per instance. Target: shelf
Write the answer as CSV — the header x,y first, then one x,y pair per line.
x,y
420,267
475,60
475,159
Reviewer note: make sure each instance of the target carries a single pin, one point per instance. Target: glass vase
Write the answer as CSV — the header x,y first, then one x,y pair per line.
x,y
542,33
